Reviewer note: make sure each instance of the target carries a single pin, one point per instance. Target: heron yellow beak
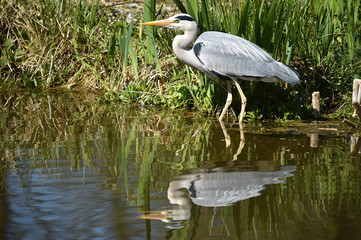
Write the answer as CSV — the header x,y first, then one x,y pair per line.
x,y
158,215
164,22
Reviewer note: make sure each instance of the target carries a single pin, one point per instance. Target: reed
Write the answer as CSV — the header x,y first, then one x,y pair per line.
x,y
52,43
70,131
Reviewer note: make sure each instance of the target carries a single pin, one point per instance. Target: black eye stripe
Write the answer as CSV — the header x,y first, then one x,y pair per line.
x,y
185,18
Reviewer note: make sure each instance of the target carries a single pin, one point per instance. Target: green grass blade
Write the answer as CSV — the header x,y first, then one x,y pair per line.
x,y
180,6
134,60
244,19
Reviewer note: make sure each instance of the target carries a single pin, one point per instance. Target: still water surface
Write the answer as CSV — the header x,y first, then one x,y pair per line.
x,y
75,168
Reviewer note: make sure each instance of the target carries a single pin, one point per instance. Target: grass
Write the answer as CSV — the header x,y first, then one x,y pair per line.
x,y
83,44
138,156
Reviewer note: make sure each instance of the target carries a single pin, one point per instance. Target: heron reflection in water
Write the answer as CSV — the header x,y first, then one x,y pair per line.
x,y
215,187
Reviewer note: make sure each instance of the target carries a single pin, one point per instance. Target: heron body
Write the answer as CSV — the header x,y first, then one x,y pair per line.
x,y
224,56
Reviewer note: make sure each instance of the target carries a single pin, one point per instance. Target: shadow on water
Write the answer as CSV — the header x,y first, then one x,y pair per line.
x,y
75,168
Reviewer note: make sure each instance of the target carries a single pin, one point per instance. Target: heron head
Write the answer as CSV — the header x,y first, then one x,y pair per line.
x,y
181,21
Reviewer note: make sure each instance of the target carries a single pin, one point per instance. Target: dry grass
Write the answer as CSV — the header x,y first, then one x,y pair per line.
x,y
93,45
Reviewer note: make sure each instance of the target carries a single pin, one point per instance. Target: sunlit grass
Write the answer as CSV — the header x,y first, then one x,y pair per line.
x,y
52,43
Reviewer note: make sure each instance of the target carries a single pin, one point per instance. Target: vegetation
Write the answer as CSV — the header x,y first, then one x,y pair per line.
x,y
135,153
85,44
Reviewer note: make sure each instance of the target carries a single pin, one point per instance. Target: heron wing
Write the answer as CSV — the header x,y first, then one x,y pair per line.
x,y
234,57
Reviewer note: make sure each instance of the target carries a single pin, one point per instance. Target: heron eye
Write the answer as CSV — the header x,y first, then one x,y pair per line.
x,y
176,21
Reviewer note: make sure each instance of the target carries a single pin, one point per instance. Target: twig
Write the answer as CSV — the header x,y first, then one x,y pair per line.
x,y
51,67
348,122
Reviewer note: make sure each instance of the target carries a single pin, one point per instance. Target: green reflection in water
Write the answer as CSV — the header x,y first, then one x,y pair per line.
x,y
137,153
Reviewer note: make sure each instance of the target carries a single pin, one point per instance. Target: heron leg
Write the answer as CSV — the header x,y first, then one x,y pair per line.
x,y
228,101
243,99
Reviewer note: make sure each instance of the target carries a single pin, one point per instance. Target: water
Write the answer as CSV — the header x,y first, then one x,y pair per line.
x,y
73,167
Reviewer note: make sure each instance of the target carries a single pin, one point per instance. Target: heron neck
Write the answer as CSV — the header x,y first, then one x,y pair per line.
x,y
182,42
182,49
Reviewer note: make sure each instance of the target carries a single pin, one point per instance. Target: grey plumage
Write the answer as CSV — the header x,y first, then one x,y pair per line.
x,y
232,56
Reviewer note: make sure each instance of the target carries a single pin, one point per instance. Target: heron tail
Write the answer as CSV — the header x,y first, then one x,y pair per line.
x,y
288,74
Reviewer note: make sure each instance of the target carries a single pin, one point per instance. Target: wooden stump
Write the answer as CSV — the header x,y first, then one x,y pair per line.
x,y
356,97
316,104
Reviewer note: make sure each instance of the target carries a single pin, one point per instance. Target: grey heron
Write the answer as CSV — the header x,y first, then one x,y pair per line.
x,y
224,56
